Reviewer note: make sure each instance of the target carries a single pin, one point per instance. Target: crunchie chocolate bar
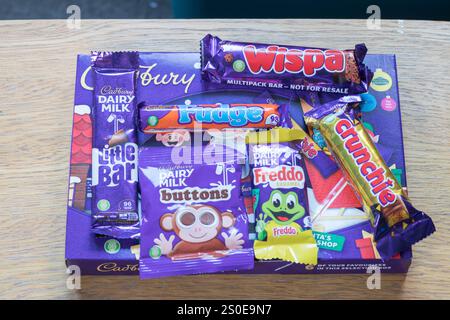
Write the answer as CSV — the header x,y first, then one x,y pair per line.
x,y
284,67
398,225
115,151
156,118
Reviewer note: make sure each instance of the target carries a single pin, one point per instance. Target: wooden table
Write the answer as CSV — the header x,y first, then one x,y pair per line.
x,y
37,71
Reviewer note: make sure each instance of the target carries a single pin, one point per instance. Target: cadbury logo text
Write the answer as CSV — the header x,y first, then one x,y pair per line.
x,y
147,78
114,267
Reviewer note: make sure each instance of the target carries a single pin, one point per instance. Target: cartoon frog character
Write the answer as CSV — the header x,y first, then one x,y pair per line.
x,y
283,209
281,237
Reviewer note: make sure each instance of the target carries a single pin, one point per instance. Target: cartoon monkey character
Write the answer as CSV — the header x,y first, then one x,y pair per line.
x,y
197,226
283,209
174,138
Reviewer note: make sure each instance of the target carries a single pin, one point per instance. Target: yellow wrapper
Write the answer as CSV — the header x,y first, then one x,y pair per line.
x,y
275,135
300,247
362,164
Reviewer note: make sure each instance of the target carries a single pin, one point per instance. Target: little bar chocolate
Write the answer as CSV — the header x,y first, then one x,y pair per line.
x,y
114,153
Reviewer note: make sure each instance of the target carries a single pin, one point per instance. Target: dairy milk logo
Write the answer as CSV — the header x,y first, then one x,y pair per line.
x,y
280,60
174,187
151,76
236,116
116,99
282,176
175,178
266,156
111,166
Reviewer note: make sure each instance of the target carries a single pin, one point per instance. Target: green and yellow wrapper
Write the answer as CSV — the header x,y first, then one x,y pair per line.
x,y
300,248
281,207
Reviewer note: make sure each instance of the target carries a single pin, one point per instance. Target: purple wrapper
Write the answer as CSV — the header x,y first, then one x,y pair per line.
x,y
193,215
400,237
285,67
320,160
114,152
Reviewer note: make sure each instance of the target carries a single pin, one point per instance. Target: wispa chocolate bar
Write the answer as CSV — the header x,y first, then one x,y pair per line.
x,y
114,148
284,67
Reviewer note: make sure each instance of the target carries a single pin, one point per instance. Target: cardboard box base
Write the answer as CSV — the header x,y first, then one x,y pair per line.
x,y
99,262
174,78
